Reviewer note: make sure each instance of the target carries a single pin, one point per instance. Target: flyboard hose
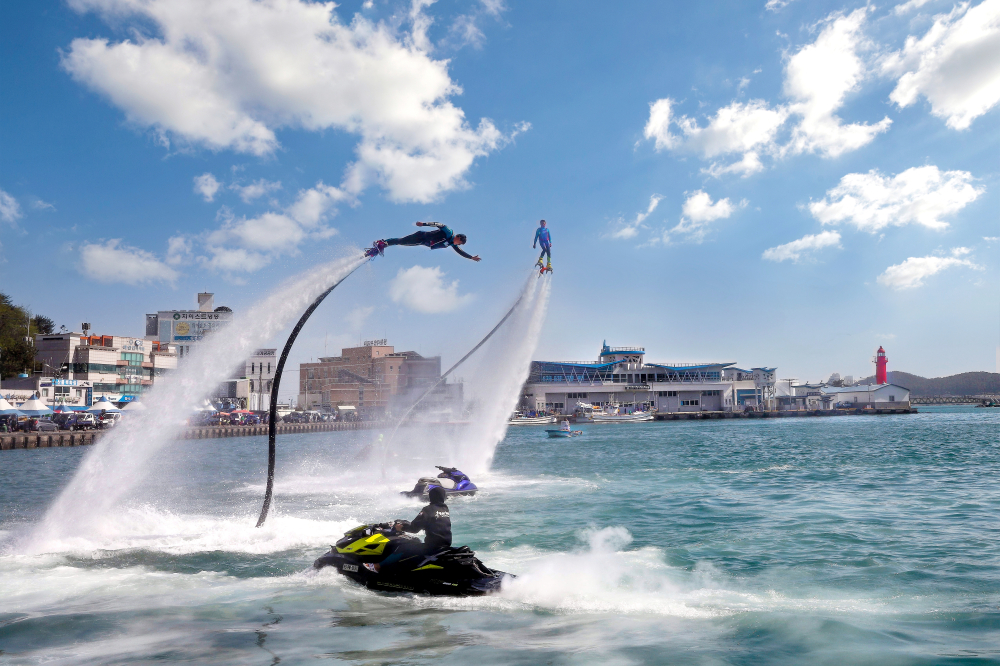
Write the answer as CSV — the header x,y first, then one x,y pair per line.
x,y
444,376
272,416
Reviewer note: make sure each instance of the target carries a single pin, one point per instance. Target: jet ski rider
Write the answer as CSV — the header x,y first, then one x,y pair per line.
x,y
434,519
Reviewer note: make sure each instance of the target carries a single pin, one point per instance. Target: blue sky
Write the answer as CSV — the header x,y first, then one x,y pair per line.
x,y
774,183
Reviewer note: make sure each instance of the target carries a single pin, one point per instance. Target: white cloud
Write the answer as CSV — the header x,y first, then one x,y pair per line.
x,y
807,244
113,263
749,165
991,239
245,244
206,185
735,128
955,65
919,195
818,78
912,272
658,126
908,7
698,213
229,74
776,5
626,231
178,250
424,290
42,205
234,260
357,317
256,189
10,209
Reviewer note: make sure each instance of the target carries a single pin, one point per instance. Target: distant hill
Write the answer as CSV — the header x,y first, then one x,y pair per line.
x,y
966,383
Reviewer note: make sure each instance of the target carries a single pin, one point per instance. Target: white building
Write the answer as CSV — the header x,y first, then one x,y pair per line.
x,y
622,376
879,396
115,366
186,328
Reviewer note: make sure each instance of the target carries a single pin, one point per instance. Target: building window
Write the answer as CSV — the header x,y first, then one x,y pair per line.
x,y
892,398
709,393
582,396
689,403
667,394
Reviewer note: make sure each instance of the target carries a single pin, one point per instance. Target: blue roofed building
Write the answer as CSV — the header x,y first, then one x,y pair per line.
x,y
623,376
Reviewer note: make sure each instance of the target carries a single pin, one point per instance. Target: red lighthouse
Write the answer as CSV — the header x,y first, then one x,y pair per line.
x,y
881,376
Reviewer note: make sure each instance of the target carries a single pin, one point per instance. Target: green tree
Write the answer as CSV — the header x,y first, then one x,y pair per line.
x,y
17,334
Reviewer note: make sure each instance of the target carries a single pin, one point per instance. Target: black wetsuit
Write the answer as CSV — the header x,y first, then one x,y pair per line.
x,y
441,237
435,520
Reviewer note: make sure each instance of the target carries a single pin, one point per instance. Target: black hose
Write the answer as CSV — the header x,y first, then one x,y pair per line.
x,y
273,415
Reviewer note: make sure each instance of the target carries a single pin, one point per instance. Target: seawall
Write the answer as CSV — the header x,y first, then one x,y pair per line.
x,y
41,440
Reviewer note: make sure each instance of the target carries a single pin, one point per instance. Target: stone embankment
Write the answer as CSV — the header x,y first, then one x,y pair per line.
x,y
39,440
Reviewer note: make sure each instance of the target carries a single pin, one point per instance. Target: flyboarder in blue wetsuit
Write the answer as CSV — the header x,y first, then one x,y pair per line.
x,y
441,237
542,236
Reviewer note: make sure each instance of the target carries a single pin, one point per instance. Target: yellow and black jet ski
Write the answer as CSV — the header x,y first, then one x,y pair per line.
x,y
380,558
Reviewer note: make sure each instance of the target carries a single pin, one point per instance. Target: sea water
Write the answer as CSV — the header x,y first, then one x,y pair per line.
x,y
851,540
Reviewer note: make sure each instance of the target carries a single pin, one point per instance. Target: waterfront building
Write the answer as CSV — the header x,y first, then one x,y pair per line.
x,y
118,367
623,376
374,379
879,396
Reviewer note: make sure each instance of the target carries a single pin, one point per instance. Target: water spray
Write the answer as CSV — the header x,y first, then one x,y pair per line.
x,y
444,376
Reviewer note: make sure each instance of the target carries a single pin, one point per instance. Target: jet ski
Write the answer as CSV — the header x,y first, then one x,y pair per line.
x,y
454,482
454,572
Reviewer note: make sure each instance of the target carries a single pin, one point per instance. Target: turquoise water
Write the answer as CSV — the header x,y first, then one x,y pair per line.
x,y
856,540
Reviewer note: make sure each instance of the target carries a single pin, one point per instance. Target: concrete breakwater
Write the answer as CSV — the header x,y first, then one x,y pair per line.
x,y
40,440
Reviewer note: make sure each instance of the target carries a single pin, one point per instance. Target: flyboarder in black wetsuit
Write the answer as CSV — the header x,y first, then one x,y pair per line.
x,y
441,237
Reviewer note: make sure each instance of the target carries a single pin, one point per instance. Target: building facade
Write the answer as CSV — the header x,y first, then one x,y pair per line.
x,y
373,379
118,367
623,376
186,328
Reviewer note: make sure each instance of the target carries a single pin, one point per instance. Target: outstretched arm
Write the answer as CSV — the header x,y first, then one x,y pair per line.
x,y
535,242
430,224
465,254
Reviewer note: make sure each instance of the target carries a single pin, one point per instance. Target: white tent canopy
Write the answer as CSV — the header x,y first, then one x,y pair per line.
x,y
34,407
134,406
103,404
6,407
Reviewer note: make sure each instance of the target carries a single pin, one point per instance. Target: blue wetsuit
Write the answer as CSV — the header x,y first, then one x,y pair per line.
x,y
542,236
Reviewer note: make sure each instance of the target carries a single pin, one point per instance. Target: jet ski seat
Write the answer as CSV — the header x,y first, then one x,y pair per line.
x,y
447,484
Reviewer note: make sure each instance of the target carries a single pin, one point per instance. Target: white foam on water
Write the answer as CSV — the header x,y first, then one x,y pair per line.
x,y
120,460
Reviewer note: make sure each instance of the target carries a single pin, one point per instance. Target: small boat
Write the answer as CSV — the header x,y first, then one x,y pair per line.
x,y
564,431
520,419
614,414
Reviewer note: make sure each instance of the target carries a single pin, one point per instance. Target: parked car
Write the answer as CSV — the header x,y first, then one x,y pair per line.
x,y
80,421
42,425
107,420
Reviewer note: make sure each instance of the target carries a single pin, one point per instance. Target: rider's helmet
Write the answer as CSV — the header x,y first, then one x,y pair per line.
x,y
437,495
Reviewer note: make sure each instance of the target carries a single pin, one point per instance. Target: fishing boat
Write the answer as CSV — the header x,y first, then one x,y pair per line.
x,y
563,431
520,419
616,414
